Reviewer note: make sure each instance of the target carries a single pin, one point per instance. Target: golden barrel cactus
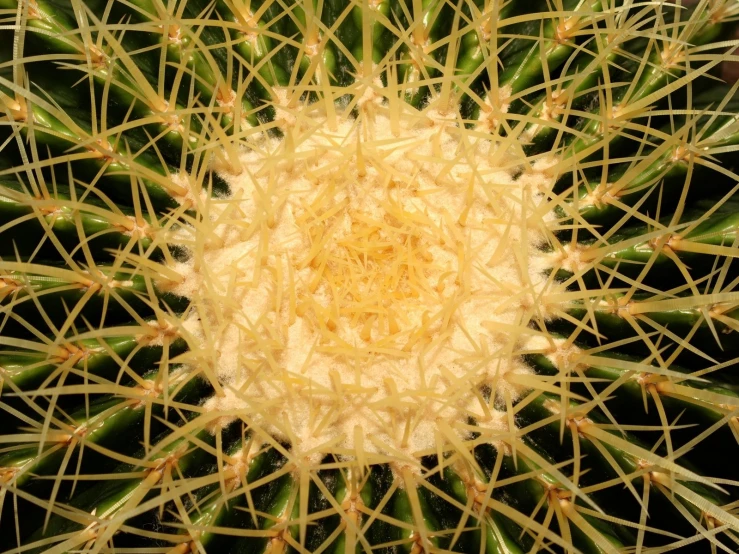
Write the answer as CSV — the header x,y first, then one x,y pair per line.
x,y
368,276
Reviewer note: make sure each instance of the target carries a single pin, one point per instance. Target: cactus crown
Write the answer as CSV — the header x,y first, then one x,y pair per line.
x,y
368,275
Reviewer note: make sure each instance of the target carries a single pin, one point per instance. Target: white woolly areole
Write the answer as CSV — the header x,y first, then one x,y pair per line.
x,y
368,284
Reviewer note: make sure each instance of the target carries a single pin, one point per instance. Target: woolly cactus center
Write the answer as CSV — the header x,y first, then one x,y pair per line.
x,y
370,274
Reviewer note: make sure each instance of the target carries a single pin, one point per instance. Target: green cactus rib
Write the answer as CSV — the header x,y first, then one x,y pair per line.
x,y
107,226
122,122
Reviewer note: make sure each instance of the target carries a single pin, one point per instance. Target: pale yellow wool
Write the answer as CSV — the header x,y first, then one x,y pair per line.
x,y
367,277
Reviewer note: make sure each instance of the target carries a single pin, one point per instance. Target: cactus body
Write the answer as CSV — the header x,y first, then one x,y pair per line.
x,y
330,276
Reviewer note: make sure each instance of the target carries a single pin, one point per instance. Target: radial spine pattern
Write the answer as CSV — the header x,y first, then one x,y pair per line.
x,y
361,275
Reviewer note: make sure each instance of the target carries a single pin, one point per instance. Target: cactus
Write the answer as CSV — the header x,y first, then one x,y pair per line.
x,y
356,276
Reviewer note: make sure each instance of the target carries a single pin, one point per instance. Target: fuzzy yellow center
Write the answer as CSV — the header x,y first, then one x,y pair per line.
x,y
370,273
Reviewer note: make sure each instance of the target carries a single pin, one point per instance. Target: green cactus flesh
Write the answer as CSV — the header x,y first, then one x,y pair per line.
x,y
368,275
